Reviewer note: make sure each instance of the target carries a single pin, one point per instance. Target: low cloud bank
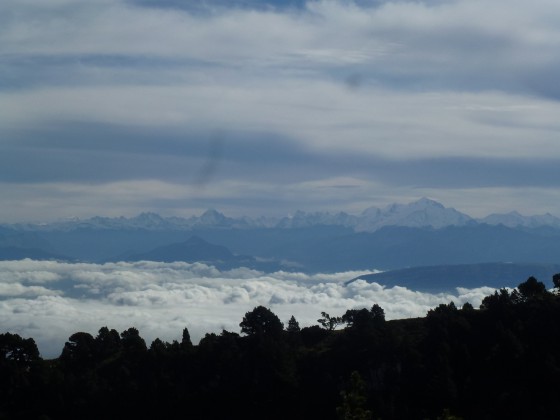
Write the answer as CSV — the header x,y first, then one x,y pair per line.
x,y
50,300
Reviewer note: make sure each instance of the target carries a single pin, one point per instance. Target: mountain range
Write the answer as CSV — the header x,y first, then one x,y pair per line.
x,y
400,236
421,213
196,249
446,278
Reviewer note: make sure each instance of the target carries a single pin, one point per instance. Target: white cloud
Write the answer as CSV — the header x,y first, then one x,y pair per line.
x,y
17,290
161,299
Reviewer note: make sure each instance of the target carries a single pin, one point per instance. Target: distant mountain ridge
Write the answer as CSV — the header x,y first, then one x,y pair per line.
x,y
10,253
399,236
144,221
419,214
514,219
196,249
448,277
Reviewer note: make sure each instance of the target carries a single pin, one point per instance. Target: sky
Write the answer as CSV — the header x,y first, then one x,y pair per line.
x,y
115,107
49,301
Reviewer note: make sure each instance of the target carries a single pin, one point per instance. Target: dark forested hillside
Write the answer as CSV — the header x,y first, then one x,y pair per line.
x,y
499,361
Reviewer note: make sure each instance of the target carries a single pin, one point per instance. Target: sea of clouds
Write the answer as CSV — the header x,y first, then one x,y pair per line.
x,y
50,300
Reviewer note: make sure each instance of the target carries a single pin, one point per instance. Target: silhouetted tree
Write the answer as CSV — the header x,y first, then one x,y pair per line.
x,y
79,350
293,326
158,347
443,309
357,318
108,342
556,280
532,288
329,322
377,313
186,343
19,363
361,319
17,349
132,343
467,307
500,299
261,321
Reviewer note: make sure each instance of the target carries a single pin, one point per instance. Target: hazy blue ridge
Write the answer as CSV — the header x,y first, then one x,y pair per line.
x,y
421,233
196,249
321,248
8,253
448,277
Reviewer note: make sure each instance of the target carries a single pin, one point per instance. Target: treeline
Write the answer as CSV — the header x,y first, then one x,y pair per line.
x,y
500,361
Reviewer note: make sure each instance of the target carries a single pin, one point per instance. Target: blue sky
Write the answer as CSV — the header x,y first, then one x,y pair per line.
x,y
114,107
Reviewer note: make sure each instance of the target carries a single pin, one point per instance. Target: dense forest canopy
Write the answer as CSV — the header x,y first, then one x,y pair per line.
x,y
499,361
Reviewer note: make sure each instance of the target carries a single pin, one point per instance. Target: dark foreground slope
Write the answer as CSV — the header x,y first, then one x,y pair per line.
x,y
502,361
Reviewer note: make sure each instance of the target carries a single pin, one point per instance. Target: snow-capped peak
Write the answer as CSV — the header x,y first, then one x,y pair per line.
x,y
421,213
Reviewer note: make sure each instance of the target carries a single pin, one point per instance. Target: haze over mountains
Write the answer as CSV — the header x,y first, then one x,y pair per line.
x,y
421,233
421,213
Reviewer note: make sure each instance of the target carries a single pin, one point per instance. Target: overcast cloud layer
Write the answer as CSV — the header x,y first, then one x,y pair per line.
x,y
49,300
113,107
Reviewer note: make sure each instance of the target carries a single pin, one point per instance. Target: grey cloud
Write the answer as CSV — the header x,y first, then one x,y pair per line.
x,y
209,5
78,152
404,45
468,173
20,71
384,92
